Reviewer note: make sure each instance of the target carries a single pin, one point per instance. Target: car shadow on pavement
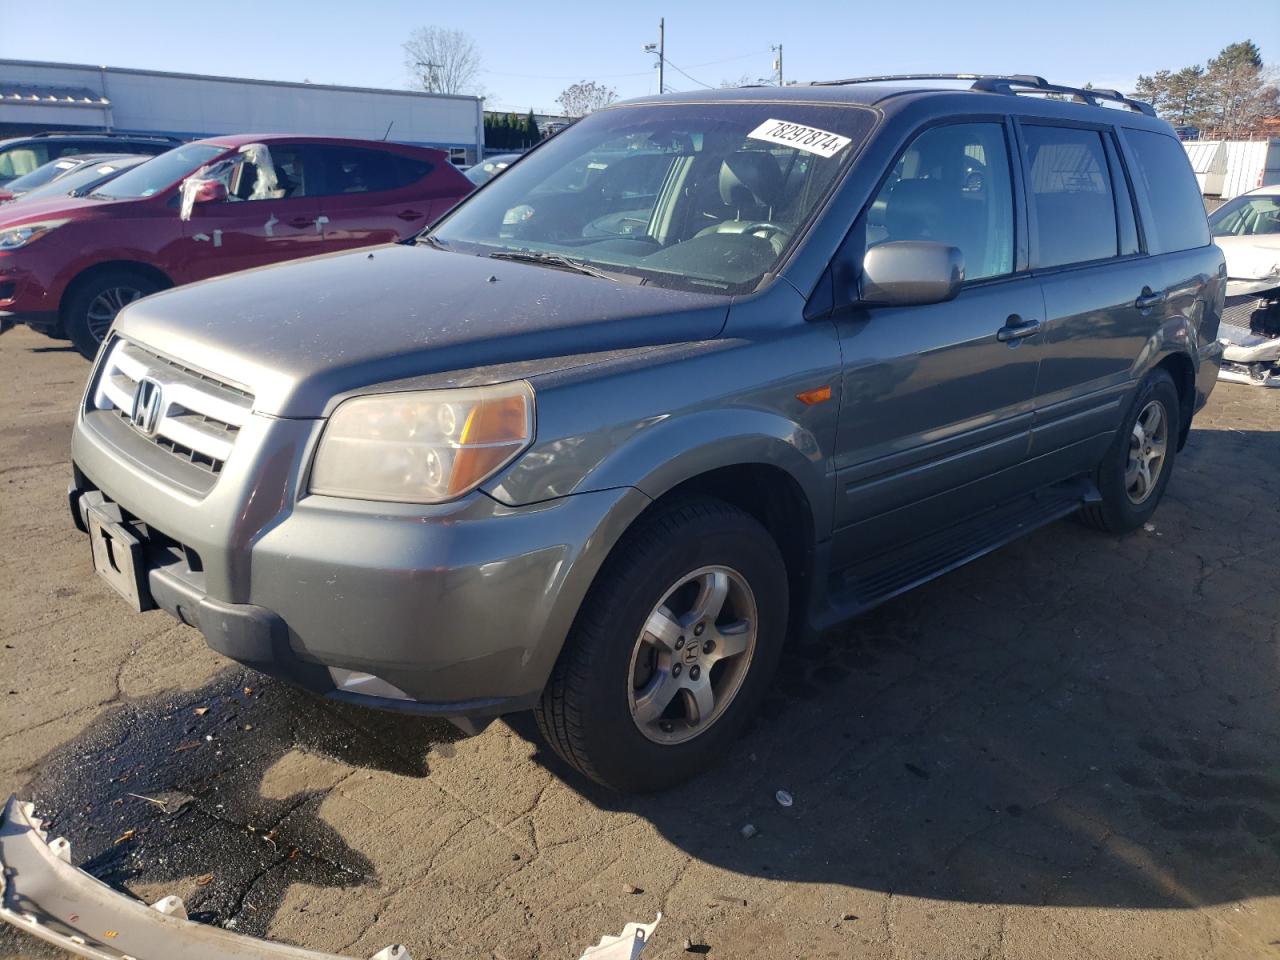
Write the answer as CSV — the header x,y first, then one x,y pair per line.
x,y
169,791
1078,719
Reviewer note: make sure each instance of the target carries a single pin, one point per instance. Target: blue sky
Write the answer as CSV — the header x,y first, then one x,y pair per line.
x,y
532,50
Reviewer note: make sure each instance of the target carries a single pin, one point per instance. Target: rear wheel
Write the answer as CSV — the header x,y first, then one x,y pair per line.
x,y
1135,470
92,306
672,650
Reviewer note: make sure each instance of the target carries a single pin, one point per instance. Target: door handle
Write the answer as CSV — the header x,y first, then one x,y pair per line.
x,y
301,222
1016,328
1147,299
410,215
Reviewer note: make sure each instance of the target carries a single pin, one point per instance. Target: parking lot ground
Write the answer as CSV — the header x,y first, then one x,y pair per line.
x,y
1068,749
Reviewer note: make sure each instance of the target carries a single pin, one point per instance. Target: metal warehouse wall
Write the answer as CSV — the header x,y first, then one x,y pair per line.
x,y
193,105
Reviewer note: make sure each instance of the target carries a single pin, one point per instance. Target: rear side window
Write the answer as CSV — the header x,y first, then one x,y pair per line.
x,y
63,148
19,161
347,170
1069,185
411,170
1176,206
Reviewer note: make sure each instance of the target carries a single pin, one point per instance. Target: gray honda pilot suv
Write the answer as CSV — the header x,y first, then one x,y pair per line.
x,y
700,376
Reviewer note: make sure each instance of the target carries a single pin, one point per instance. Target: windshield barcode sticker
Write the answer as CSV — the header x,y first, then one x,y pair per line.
x,y
808,139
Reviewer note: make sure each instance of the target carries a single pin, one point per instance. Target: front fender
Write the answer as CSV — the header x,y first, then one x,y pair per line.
x,y
655,422
680,448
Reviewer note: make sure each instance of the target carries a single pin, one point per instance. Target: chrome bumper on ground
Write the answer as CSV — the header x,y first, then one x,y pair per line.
x,y
45,896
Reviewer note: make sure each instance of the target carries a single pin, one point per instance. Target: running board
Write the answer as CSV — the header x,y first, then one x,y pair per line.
x,y
870,582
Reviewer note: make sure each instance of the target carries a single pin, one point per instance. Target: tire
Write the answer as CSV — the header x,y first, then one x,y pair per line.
x,y
599,710
93,303
1124,506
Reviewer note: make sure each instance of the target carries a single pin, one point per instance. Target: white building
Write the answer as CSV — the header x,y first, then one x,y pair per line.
x,y
1228,168
36,96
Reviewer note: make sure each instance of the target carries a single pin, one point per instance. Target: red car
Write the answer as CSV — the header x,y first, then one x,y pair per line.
x,y
67,265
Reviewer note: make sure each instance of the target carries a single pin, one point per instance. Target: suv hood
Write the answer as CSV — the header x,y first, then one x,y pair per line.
x,y
299,334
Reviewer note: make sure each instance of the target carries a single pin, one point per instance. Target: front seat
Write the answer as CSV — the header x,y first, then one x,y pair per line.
x,y
936,210
750,183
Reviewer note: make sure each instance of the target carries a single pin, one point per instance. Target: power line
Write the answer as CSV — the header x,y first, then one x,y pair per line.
x,y
611,76
683,74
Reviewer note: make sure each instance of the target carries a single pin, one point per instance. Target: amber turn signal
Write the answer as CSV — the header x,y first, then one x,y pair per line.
x,y
817,395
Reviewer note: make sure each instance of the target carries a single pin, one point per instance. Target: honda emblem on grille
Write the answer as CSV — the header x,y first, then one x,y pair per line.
x,y
146,406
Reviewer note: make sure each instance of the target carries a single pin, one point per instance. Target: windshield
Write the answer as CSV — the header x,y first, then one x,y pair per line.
x,y
148,179
42,175
88,176
1246,216
701,196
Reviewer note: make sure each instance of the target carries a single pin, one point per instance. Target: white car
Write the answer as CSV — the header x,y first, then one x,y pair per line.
x,y
1247,229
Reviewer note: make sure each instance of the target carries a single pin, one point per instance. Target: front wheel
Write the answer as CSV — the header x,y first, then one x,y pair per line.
x,y
1135,470
672,650
92,306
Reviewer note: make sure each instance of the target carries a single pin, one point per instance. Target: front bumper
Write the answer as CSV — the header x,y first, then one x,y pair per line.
x,y
458,610
45,896
46,322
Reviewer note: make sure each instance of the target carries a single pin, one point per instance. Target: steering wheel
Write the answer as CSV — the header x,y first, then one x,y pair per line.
x,y
770,230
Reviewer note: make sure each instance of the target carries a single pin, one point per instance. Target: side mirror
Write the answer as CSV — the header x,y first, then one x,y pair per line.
x,y
906,273
210,191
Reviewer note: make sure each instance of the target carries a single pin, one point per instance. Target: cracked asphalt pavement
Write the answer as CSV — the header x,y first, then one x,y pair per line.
x,y
1067,749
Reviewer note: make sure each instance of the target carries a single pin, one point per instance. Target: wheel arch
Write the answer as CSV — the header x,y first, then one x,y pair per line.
x,y
1180,368
87,274
776,500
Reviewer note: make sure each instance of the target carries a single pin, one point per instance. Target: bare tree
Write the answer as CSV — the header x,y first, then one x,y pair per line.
x,y
443,61
585,96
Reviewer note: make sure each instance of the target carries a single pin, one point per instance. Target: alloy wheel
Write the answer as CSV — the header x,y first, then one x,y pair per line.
x,y
104,307
692,655
1148,444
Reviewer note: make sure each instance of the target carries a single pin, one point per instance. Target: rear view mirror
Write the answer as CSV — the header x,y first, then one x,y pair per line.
x,y
911,273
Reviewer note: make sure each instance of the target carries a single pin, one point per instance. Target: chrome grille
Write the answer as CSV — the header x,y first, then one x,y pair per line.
x,y
196,418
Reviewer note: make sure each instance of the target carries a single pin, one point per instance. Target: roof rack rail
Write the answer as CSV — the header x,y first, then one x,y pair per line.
x,y
1012,84
164,137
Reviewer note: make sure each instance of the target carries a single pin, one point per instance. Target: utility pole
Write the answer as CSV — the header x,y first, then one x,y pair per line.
x,y
778,63
662,52
660,48
432,81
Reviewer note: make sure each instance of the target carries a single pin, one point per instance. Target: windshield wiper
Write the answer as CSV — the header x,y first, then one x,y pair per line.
x,y
426,240
561,263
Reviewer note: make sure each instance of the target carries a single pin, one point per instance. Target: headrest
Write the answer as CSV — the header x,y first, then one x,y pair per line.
x,y
750,177
916,207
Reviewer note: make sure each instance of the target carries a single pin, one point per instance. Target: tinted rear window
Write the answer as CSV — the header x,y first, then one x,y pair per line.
x,y
1070,191
1176,205
355,170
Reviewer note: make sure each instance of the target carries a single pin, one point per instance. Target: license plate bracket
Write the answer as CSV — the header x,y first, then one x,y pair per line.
x,y
118,554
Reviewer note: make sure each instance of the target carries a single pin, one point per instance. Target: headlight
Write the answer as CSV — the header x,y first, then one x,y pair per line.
x,y
15,237
424,447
